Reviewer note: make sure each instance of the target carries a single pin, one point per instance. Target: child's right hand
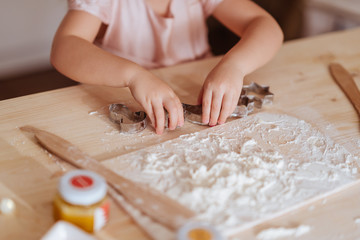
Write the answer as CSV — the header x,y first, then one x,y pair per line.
x,y
154,96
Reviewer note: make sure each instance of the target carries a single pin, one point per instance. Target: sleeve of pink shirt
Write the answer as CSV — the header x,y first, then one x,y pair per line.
x,y
99,8
209,6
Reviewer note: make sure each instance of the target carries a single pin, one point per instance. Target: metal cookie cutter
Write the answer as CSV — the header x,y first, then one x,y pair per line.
x,y
129,122
259,94
252,96
193,113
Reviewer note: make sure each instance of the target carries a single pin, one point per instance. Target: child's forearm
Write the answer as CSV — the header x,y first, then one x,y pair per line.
x,y
84,62
261,37
74,54
259,43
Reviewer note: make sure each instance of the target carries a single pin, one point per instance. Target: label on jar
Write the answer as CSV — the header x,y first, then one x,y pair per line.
x,y
101,216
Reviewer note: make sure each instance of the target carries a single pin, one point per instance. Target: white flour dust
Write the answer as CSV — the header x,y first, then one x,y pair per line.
x,y
283,233
243,171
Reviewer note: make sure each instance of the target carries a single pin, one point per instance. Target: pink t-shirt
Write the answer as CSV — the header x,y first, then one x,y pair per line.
x,y
137,33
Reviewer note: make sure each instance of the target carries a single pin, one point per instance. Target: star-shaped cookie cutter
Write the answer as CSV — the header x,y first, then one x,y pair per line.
x,y
129,122
253,96
259,94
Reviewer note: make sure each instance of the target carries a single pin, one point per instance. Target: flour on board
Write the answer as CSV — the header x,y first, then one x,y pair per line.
x,y
245,170
283,233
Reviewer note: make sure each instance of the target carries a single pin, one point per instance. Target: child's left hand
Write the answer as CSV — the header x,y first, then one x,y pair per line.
x,y
220,93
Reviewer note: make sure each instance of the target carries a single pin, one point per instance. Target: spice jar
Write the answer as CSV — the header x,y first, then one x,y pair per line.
x,y
198,231
81,200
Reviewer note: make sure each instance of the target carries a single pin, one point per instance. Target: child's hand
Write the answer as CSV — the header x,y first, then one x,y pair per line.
x,y
154,95
220,94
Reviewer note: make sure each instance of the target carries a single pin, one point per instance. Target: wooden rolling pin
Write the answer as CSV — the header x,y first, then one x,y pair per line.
x,y
346,82
151,202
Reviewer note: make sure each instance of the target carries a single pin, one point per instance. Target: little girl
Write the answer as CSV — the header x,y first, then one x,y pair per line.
x,y
114,42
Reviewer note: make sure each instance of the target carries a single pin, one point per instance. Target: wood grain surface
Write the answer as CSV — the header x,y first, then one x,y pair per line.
x,y
298,76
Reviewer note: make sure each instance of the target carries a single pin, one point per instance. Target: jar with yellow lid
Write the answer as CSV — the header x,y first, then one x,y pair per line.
x,y
81,200
198,231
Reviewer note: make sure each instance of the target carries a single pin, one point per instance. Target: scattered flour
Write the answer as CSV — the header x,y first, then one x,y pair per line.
x,y
283,233
153,229
243,171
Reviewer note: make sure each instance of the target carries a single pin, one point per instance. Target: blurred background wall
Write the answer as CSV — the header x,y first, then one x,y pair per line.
x,y
27,28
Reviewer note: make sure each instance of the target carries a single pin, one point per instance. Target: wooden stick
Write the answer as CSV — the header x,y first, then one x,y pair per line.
x,y
346,82
153,203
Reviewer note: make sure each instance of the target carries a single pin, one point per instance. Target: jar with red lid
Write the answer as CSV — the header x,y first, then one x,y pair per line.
x,y
82,200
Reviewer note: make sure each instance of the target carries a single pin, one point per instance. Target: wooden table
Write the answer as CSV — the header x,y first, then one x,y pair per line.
x,y
298,76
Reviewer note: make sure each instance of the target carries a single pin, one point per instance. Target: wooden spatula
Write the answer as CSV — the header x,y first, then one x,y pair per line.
x,y
150,201
346,83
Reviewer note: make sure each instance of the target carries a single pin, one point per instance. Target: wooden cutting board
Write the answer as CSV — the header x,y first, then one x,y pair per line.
x,y
245,158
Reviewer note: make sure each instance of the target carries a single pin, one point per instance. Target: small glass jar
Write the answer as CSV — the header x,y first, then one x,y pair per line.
x,y
198,231
81,200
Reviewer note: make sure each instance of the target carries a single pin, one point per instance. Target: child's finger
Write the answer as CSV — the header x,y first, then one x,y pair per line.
x,y
206,105
180,109
171,107
150,114
226,108
159,117
215,108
